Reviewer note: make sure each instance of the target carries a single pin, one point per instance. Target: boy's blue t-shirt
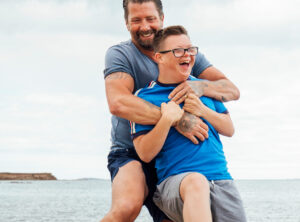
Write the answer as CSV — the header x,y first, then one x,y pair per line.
x,y
179,154
125,57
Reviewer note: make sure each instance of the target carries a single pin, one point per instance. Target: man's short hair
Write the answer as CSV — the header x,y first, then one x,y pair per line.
x,y
162,34
157,3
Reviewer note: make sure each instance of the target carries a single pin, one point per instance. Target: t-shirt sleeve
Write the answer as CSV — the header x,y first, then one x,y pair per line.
x,y
135,128
138,129
116,61
201,63
220,108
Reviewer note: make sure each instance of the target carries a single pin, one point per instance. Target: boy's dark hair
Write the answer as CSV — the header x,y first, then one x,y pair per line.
x,y
157,3
162,34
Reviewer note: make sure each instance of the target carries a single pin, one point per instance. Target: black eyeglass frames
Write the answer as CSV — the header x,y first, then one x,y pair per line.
x,y
179,52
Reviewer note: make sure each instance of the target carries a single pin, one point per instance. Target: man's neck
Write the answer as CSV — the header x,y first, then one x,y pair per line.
x,y
149,53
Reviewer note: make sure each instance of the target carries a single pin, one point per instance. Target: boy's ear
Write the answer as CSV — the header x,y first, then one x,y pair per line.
x,y
157,57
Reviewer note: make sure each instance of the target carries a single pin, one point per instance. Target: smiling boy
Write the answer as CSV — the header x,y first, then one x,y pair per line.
x,y
191,177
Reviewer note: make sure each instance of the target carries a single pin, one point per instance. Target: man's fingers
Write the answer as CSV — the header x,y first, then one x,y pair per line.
x,y
176,90
180,100
203,132
203,125
199,136
193,139
179,96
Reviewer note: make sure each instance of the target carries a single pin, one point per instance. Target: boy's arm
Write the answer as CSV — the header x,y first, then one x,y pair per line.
x,y
148,146
220,121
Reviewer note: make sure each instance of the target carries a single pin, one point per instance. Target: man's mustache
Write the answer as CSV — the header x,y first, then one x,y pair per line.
x,y
150,31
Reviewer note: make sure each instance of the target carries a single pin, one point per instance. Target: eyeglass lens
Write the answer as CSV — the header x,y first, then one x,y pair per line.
x,y
180,52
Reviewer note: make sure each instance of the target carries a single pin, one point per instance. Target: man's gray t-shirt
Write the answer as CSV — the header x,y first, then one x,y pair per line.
x,y
125,57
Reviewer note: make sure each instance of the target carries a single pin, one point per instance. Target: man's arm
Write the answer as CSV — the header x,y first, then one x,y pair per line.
x,y
217,87
122,103
148,145
220,121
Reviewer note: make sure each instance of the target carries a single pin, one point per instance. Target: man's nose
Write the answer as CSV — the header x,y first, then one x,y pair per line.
x,y
145,25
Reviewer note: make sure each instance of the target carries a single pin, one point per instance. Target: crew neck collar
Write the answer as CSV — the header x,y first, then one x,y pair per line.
x,y
169,84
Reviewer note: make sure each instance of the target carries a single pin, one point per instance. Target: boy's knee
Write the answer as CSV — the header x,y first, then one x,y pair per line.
x,y
195,182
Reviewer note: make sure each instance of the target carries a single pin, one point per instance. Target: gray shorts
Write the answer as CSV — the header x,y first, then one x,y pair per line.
x,y
226,203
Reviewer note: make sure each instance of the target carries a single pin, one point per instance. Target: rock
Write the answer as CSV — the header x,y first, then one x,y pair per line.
x,y
27,176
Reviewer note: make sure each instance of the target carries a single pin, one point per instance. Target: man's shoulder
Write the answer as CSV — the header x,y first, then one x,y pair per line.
x,y
122,46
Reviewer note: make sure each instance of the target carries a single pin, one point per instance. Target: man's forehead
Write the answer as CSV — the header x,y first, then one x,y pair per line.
x,y
142,8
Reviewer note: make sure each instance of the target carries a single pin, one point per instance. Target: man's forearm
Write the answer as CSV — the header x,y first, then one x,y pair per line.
x,y
218,85
137,110
222,90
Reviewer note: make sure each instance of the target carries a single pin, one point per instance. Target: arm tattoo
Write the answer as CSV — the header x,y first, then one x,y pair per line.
x,y
198,88
224,99
117,75
187,122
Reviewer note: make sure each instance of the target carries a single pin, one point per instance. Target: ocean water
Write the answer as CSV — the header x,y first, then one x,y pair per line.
x,y
89,200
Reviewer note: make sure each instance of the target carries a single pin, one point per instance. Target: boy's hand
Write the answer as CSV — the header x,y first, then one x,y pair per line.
x,y
193,105
172,112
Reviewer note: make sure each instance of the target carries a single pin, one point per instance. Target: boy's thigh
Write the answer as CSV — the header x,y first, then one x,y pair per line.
x,y
226,203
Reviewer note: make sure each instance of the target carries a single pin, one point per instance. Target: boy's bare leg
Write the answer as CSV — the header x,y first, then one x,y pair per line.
x,y
129,191
195,193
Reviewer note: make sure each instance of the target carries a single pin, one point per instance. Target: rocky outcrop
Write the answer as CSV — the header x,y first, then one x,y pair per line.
x,y
27,176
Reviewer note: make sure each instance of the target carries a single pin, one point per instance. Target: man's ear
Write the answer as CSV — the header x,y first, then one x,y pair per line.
x,y
127,25
162,17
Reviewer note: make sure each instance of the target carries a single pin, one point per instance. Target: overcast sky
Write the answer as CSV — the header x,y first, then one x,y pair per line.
x,y
53,112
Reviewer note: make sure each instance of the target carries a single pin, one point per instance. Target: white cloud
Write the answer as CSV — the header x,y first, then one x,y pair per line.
x,y
59,16
245,14
55,123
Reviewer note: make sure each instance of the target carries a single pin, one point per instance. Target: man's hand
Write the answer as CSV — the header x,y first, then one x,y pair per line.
x,y
179,94
192,127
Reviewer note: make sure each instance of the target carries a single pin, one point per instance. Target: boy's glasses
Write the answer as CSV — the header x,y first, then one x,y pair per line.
x,y
179,52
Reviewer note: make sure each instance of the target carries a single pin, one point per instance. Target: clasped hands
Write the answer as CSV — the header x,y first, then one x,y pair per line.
x,y
187,123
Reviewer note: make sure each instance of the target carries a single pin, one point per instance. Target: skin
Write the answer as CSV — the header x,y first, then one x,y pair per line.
x,y
144,18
